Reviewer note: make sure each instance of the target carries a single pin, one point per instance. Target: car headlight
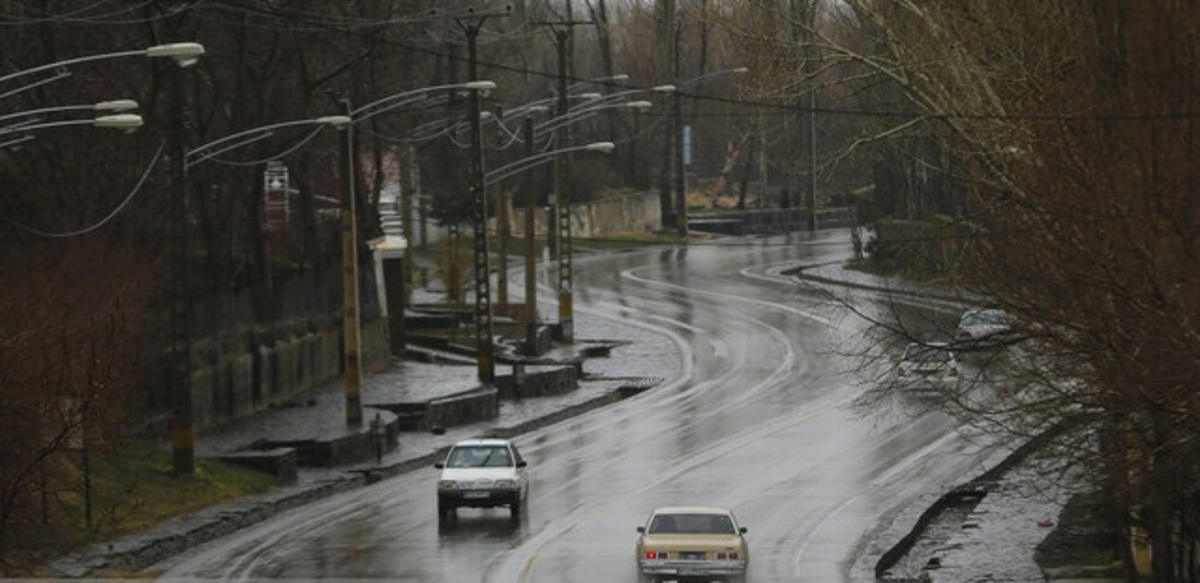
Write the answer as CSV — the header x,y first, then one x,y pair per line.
x,y
447,485
506,484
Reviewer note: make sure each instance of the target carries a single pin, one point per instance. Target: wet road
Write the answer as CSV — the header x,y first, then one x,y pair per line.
x,y
759,421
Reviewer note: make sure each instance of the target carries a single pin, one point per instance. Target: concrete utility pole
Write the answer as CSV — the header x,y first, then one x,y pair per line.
x,y
531,313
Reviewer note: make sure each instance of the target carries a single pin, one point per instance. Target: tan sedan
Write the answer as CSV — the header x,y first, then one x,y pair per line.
x,y
692,543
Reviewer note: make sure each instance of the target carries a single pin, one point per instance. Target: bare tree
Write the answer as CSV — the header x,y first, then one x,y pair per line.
x,y
1063,126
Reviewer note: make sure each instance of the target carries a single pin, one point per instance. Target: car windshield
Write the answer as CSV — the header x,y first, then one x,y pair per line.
x,y
691,524
479,457
922,353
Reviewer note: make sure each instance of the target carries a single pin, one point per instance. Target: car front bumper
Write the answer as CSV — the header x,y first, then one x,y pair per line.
x,y
477,498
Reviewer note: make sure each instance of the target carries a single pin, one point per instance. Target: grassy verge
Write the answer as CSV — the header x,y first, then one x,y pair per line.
x,y
128,490
133,490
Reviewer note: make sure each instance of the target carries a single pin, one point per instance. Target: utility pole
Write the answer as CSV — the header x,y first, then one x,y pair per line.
x,y
351,326
183,430
484,340
681,219
812,159
560,206
531,313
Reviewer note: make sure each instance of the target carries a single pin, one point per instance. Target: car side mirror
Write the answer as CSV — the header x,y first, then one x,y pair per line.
x,y
439,465
641,530
743,530
522,464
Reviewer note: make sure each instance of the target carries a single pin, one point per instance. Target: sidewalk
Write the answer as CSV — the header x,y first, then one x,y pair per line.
x,y
998,547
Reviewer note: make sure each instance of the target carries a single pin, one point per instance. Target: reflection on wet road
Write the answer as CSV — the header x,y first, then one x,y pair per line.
x,y
760,422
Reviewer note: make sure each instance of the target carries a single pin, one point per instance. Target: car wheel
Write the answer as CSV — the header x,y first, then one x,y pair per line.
x,y
516,507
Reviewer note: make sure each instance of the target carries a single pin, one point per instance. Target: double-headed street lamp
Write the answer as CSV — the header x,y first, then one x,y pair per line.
x,y
183,160
351,316
184,54
511,169
560,206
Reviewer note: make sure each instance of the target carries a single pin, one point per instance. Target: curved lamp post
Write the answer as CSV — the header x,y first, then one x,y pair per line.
x,y
240,139
234,141
560,230
407,97
351,319
497,174
185,54
579,113
183,431
511,169
126,122
112,106
121,121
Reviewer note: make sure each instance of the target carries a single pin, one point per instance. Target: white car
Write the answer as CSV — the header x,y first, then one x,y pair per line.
x,y
926,365
482,473
982,328
692,543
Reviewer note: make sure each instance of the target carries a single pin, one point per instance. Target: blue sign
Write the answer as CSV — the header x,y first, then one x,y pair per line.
x,y
687,146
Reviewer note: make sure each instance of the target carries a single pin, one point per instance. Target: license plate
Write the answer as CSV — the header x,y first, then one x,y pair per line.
x,y
475,495
692,556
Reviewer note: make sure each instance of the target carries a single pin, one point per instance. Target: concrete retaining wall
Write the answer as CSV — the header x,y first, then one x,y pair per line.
x,y
539,381
478,405
246,372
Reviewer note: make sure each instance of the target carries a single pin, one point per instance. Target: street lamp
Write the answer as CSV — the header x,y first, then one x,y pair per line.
x,y
234,141
598,80
351,324
121,121
185,54
513,168
559,229
112,106
578,113
497,174
126,122
393,101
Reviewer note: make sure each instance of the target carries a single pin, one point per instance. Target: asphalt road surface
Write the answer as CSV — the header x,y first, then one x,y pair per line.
x,y
760,420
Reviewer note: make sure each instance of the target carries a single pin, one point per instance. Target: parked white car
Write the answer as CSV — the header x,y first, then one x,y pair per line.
x,y
980,328
482,473
926,365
